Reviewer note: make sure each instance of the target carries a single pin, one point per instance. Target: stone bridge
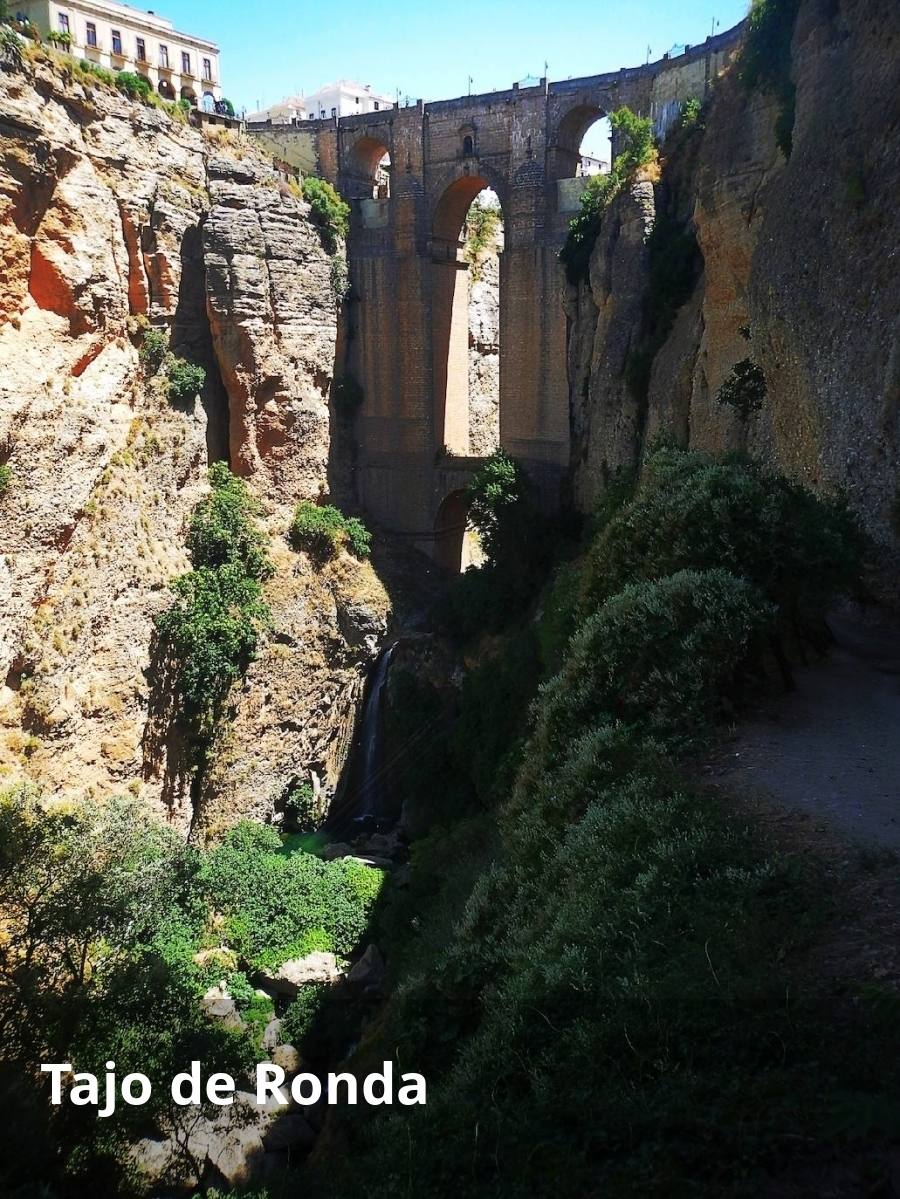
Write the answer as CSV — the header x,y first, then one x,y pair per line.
x,y
406,333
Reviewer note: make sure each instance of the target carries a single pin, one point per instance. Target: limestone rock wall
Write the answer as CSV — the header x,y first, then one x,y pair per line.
x,y
112,214
484,355
801,253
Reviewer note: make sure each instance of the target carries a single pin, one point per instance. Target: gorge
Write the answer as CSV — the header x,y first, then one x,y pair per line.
x,y
282,779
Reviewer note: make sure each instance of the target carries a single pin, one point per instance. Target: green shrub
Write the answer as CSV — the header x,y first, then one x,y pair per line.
x,y
185,380
322,532
301,1014
658,657
11,53
514,536
339,277
483,224
6,478
135,86
328,211
104,909
222,529
744,390
690,112
97,72
281,905
154,348
302,811
212,632
692,512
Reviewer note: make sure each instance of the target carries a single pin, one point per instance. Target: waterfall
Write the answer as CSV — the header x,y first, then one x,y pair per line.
x,y
370,805
363,800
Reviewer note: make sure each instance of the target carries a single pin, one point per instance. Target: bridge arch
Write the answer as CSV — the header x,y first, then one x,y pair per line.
x,y
570,133
368,165
450,291
450,525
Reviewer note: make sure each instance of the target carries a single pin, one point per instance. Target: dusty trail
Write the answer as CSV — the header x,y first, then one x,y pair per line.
x,y
831,749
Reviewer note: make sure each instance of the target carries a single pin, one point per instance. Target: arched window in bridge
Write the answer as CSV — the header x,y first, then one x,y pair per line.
x,y
468,146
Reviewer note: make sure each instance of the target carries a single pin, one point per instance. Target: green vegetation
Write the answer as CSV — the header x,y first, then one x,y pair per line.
x,y
222,528
638,150
113,929
281,905
328,210
62,40
689,116
610,995
11,53
154,347
135,86
322,532
185,379
302,810
6,478
212,630
339,277
799,550
766,60
744,390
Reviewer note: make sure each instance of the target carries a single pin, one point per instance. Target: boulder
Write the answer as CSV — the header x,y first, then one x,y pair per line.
x,y
318,967
338,849
290,1131
272,1034
218,1005
288,1058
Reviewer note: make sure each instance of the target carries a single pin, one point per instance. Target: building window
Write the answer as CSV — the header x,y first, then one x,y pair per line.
x,y
117,42
185,63
91,34
334,112
468,146
322,114
63,23
376,106
164,56
207,69
141,50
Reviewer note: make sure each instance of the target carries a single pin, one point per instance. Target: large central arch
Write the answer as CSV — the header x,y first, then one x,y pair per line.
x,y
449,309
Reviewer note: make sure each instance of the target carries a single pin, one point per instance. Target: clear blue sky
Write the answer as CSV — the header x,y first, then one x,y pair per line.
x,y
428,49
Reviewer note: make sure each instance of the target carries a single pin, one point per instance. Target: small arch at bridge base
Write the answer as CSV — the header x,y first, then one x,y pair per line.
x,y
456,546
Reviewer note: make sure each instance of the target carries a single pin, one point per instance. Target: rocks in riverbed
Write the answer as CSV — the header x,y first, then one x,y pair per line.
x,y
319,967
218,1005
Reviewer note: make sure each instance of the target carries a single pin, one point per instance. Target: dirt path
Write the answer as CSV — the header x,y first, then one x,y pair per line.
x,y
831,749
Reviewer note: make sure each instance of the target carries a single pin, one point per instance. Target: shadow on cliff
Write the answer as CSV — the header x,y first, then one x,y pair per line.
x,y
168,754
192,339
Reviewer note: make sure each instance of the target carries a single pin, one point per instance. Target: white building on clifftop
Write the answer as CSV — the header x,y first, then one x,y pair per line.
x,y
179,66
342,99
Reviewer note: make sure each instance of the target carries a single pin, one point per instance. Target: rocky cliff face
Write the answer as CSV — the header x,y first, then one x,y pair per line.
x,y
484,354
112,214
799,274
